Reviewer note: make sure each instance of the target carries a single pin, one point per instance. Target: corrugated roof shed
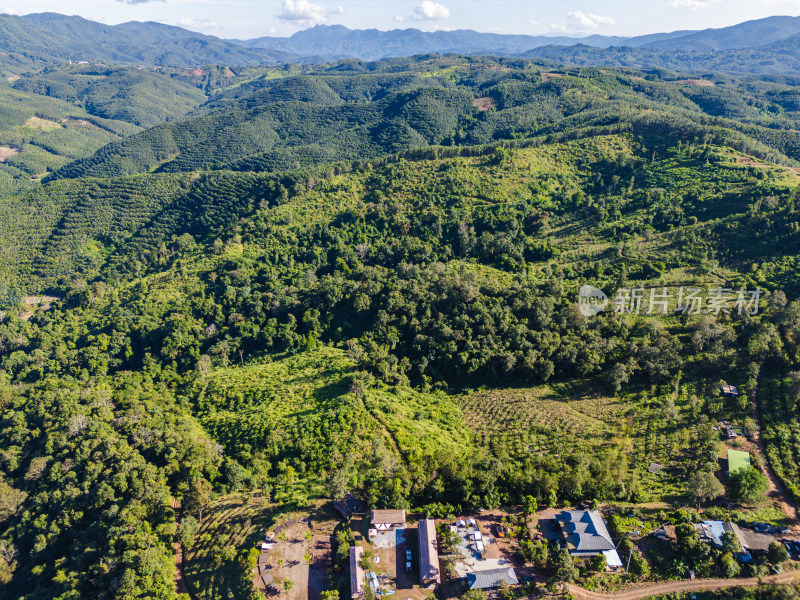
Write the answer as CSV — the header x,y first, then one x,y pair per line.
x,y
752,540
428,553
388,517
491,578
356,572
738,460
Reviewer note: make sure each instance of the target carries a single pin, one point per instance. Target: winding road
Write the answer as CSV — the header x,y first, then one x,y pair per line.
x,y
691,585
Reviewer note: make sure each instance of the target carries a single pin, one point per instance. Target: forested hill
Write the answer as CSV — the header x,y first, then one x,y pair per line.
x,y
364,278
353,111
51,37
324,326
33,41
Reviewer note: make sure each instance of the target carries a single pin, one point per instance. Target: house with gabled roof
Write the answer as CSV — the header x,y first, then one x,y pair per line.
x,y
586,534
490,579
384,520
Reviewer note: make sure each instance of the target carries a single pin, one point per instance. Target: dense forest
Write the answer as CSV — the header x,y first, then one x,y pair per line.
x,y
330,281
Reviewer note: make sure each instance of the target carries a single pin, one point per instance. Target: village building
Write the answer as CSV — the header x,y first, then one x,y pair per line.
x,y
384,520
429,573
356,572
586,534
491,579
751,541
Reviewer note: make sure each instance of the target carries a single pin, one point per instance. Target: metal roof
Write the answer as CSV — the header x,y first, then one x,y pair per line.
x,y
356,572
585,531
738,460
491,578
428,553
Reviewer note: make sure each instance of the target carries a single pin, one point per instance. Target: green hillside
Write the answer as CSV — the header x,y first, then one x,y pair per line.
x,y
138,96
39,135
342,114
345,281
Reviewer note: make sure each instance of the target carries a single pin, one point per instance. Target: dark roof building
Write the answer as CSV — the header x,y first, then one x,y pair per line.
x,y
356,572
585,532
348,506
751,541
429,573
491,578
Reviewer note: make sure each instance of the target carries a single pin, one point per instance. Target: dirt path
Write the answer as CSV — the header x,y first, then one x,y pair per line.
x,y
180,582
671,587
774,489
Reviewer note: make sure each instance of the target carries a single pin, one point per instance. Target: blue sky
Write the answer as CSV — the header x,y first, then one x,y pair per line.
x,y
254,18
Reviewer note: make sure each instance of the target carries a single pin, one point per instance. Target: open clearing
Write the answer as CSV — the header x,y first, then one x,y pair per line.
x,y
43,124
6,152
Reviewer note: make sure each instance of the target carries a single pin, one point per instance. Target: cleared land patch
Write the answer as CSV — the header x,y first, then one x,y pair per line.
x,y
7,152
43,124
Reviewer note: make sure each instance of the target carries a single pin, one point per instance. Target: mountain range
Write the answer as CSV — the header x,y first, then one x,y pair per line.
x,y
28,41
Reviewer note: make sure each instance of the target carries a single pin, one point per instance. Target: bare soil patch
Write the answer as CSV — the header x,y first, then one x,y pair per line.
x,y
550,76
696,82
80,123
6,152
43,124
229,72
484,104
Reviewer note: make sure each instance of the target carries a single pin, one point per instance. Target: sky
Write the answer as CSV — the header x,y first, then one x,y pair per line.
x,y
255,18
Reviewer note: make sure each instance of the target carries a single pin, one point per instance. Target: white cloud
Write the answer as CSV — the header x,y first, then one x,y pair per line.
x,y
693,5
431,11
580,20
8,10
399,18
534,23
192,23
305,11
557,27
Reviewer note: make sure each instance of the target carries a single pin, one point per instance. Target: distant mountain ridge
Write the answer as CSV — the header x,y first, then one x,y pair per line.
x,y
54,37
51,37
373,44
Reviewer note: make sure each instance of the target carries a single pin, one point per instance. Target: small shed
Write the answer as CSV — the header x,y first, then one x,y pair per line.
x,y
729,391
737,460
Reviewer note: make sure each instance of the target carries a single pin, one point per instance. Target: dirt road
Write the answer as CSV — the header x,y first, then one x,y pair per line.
x,y
692,585
180,582
775,490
